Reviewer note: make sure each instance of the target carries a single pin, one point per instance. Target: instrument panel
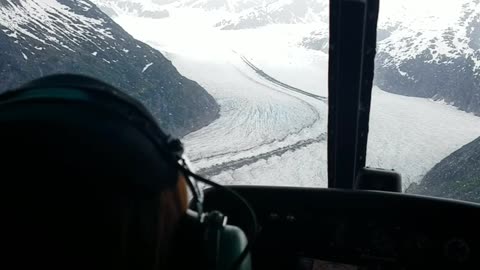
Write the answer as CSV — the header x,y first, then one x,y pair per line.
x,y
314,264
345,229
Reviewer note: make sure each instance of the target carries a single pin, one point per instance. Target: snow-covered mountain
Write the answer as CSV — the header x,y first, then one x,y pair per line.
x,y
62,36
139,8
436,55
429,49
277,12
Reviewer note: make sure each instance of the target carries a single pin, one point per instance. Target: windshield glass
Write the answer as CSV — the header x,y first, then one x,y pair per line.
x,y
424,120
242,82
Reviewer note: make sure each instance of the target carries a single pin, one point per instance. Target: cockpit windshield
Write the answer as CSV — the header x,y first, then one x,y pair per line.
x,y
244,83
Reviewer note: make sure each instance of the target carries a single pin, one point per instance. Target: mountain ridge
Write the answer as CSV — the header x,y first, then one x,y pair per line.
x,y
51,37
429,55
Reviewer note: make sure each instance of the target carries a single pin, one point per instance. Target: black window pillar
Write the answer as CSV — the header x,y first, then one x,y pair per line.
x,y
351,57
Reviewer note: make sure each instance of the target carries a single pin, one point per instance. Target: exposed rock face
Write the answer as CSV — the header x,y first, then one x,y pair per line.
x,y
456,176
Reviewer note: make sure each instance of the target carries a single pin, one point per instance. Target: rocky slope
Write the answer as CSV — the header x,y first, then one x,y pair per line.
x,y
45,37
456,176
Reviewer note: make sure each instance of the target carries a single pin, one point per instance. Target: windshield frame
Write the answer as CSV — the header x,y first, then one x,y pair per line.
x,y
353,30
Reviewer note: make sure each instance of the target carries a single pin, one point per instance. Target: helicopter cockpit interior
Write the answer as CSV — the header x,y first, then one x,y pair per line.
x,y
361,219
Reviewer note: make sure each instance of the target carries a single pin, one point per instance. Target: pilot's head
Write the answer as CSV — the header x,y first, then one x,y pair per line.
x,y
84,184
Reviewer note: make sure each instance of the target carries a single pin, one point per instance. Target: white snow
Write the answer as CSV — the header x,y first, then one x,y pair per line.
x,y
24,56
85,3
13,35
411,134
276,51
52,17
305,167
94,53
146,67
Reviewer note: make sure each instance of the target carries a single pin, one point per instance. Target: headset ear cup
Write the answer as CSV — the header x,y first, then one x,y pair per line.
x,y
190,250
232,243
224,244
